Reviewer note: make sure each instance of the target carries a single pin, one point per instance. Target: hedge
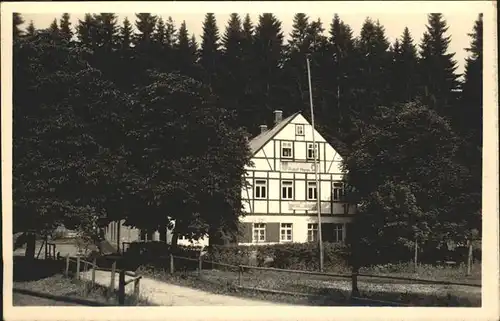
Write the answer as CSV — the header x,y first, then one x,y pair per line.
x,y
295,256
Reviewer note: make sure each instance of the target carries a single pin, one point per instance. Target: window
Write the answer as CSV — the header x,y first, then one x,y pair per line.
x,y
260,188
286,150
286,232
287,190
299,130
312,232
338,191
338,233
312,191
259,232
311,153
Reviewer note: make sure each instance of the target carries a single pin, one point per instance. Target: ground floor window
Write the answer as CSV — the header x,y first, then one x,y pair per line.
x,y
338,233
312,232
286,232
259,232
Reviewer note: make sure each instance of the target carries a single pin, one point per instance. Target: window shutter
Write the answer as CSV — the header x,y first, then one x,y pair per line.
x,y
327,232
246,233
272,232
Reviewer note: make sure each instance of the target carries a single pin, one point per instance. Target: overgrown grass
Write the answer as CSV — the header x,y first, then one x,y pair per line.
x,y
428,271
45,277
327,290
59,285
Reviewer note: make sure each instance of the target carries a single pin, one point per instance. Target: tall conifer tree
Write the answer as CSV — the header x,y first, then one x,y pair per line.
x,y
209,52
31,30
404,69
437,67
269,89
65,26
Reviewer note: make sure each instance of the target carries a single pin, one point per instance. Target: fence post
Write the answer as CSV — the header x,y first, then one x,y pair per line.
x,y
66,272
469,259
171,264
121,288
354,284
136,287
94,266
200,264
240,274
415,259
112,284
78,268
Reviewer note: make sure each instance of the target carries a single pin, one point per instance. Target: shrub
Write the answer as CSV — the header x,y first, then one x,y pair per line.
x,y
295,256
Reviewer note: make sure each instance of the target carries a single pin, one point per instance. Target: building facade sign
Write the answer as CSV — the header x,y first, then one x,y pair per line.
x,y
302,206
297,167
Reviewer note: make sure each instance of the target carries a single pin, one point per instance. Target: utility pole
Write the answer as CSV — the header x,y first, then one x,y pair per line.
x,y
316,167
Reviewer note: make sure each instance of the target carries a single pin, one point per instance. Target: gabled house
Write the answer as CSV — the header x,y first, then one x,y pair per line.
x,y
280,200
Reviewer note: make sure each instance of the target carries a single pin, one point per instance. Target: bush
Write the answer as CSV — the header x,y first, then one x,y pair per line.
x,y
295,256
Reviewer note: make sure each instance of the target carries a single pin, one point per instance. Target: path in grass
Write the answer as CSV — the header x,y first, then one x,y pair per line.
x,y
164,294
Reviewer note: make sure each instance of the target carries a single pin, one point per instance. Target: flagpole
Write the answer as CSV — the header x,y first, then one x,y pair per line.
x,y
316,166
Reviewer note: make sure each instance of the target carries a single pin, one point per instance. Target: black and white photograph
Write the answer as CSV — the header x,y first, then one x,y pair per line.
x,y
275,157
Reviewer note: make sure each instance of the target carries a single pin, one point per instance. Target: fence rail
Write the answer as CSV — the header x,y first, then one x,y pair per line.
x,y
94,267
354,297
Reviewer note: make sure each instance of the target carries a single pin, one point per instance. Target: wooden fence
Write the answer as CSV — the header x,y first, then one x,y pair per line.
x,y
50,250
83,265
355,295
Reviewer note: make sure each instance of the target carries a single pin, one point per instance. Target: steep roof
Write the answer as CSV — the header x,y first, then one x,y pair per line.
x,y
260,140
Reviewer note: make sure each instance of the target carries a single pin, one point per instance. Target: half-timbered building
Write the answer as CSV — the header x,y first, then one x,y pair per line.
x,y
280,201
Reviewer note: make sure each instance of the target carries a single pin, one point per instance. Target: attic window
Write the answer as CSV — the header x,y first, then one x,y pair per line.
x,y
299,130
286,150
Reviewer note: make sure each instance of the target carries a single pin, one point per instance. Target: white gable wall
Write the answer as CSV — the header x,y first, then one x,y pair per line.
x,y
269,166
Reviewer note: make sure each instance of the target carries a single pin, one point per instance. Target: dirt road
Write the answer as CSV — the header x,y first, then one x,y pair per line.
x,y
164,294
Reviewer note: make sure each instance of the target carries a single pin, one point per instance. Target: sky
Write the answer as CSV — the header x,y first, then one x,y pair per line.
x,y
460,23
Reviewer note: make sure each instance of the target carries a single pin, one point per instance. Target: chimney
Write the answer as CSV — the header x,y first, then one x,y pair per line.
x,y
278,116
263,128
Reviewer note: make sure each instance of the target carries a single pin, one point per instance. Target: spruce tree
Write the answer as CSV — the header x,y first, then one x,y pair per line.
x,y
185,54
209,52
232,38
87,31
128,65
17,20
108,30
31,30
437,67
159,33
170,33
144,42
125,35
295,63
306,40
250,74
145,24
372,77
65,26
404,69
268,87
341,49
54,32
472,89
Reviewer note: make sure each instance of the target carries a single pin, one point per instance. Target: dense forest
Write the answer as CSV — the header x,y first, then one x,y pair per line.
x,y
96,106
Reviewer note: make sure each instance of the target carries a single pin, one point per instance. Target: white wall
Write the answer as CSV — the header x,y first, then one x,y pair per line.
x,y
299,223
